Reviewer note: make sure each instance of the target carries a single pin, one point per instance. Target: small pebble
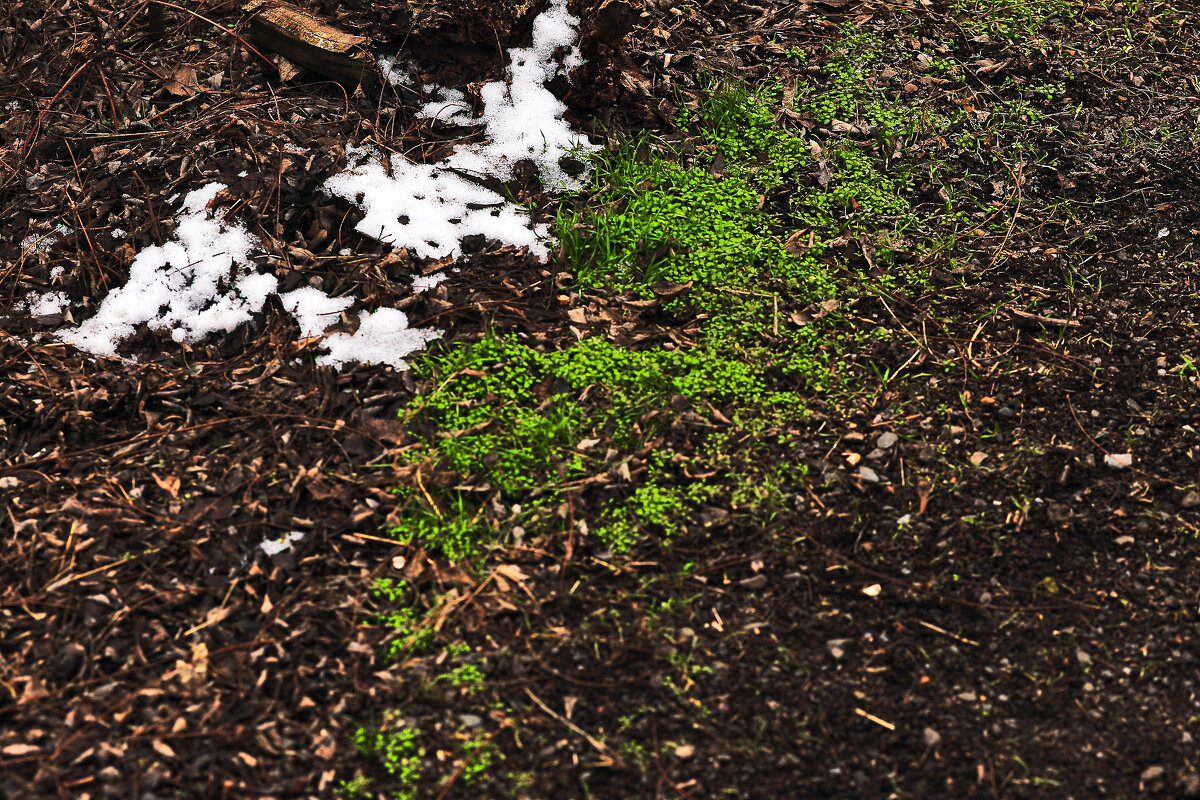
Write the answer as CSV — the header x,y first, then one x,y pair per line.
x,y
837,647
931,737
868,475
1083,658
471,720
754,581
1152,773
886,440
1190,500
1118,460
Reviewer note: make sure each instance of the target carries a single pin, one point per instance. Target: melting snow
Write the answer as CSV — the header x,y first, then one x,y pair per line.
x,y
313,309
274,547
204,281
198,283
43,304
383,337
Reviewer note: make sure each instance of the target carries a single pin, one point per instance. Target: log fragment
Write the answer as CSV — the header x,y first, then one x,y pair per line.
x,y
307,41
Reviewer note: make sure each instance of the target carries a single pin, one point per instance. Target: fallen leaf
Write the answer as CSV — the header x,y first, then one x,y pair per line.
x,y
287,70
182,81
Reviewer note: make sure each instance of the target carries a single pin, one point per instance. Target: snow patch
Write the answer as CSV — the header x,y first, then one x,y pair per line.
x,y
199,283
383,337
274,547
42,304
429,208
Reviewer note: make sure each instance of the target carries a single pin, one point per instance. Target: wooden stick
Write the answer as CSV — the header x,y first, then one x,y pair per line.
x,y
308,41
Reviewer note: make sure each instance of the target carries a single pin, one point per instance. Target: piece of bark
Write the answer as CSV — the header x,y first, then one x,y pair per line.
x,y
307,41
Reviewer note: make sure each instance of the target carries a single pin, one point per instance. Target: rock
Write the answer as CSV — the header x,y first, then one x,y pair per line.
x,y
1083,658
470,720
754,582
1191,499
837,647
868,475
1124,540
1152,773
685,751
1118,460
931,737
886,440
978,457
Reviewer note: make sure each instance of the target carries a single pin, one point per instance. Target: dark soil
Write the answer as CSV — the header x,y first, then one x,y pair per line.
x,y
1000,615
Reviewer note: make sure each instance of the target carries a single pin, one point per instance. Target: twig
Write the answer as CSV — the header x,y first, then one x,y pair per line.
x,y
1043,319
945,632
883,723
216,25
593,741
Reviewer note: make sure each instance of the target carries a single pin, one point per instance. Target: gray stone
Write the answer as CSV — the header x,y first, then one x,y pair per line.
x,y
868,475
931,737
754,581
471,720
886,440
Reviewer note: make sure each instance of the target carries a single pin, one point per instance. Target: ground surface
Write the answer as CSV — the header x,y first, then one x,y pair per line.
x,y
987,610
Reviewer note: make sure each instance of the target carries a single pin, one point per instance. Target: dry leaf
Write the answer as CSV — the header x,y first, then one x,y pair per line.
x,y
287,70
162,748
169,484
19,749
182,81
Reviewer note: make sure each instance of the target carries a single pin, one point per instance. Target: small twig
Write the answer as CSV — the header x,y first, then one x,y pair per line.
x,y
72,578
1043,319
883,723
945,632
593,741
216,25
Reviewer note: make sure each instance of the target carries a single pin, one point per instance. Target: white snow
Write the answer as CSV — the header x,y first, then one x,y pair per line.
x,y
41,304
451,109
198,283
313,309
203,280
423,283
395,73
428,208
383,337
273,547
38,244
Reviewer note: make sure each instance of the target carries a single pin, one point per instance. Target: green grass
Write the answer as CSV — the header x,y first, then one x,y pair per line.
x,y
747,217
